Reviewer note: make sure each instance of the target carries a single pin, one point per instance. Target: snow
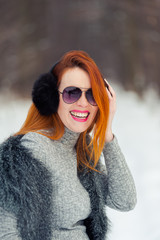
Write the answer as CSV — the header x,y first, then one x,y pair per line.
x,y
137,127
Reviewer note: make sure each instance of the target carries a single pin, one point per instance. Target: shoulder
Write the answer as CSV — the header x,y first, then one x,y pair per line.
x,y
34,138
38,145
28,146
23,143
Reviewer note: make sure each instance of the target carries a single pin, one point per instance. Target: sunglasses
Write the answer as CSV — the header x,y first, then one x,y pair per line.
x,y
72,94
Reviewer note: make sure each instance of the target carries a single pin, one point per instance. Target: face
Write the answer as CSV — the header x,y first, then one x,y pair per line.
x,y
79,115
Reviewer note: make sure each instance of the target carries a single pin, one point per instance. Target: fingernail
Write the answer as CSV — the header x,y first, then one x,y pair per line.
x,y
106,83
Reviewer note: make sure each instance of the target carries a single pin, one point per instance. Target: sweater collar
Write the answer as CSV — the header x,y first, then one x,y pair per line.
x,y
69,138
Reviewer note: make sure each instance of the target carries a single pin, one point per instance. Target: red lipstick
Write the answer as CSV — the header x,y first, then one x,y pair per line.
x,y
79,116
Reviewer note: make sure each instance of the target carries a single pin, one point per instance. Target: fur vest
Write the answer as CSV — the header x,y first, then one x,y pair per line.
x,y
26,192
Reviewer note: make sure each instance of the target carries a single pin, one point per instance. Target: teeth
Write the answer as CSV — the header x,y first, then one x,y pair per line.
x,y
80,115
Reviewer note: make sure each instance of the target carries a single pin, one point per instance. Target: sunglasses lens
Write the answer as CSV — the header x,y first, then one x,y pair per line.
x,y
71,94
90,97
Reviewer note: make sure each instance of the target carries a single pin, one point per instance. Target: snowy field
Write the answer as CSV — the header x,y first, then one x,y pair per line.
x,y
137,126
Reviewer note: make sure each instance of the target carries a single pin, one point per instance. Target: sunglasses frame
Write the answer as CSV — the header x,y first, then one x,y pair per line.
x,y
79,96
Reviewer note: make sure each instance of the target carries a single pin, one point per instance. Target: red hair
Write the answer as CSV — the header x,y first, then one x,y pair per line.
x,y
88,153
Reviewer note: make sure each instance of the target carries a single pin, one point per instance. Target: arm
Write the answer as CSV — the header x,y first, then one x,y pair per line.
x,y
8,226
121,187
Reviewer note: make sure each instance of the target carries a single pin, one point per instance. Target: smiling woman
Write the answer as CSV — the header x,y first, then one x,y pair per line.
x,y
53,182
50,112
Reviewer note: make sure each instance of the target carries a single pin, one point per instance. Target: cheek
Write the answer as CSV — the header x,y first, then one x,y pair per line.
x,y
94,111
60,108
93,114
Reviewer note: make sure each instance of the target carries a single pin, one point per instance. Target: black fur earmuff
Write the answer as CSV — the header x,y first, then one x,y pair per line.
x,y
45,94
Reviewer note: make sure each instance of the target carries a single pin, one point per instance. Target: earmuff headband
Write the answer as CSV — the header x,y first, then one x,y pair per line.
x,y
45,94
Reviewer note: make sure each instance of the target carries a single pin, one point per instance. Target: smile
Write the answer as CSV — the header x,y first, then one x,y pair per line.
x,y
79,116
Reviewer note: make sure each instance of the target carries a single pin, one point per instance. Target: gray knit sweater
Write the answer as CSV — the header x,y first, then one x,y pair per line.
x,y
71,200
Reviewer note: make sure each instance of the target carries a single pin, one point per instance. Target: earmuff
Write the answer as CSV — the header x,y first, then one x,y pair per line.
x,y
45,94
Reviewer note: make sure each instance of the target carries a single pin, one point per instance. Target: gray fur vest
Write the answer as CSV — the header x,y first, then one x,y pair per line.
x,y
26,191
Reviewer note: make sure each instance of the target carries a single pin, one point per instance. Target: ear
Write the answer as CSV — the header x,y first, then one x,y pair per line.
x,y
45,94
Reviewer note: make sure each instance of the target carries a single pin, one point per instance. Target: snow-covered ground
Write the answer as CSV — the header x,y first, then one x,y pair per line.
x,y
137,126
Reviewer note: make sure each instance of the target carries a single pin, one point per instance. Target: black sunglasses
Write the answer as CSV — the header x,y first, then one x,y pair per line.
x,y
72,94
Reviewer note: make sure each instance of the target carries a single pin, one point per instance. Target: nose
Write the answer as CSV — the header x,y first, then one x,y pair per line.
x,y
82,101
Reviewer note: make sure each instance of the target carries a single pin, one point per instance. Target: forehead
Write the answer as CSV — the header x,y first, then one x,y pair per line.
x,y
75,77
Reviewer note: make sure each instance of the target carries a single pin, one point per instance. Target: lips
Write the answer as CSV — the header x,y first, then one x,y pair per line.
x,y
79,115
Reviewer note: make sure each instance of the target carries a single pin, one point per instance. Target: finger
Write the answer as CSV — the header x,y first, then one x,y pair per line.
x,y
110,96
106,83
109,88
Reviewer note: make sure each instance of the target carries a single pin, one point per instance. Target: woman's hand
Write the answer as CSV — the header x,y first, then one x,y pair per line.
x,y
112,110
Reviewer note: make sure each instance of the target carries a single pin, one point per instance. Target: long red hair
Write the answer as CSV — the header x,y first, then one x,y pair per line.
x,y
88,153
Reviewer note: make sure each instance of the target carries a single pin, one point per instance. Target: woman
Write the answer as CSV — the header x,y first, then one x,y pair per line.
x,y
53,182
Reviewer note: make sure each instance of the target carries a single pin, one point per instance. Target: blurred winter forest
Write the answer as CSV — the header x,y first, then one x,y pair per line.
x,y
123,37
